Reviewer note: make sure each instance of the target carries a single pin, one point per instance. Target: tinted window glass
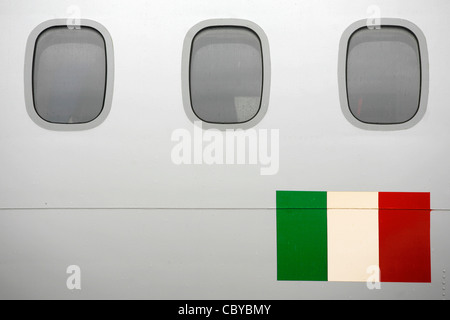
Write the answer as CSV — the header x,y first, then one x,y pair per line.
x,y
226,75
383,75
69,75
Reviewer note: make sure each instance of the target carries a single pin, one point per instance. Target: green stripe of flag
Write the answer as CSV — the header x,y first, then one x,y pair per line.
x,y
302,236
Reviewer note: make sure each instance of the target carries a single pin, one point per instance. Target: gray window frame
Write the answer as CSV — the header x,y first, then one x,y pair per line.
x,y
28,75
342,73
186,61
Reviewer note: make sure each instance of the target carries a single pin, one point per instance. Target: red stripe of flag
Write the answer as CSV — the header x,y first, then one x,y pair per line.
x,y
404,237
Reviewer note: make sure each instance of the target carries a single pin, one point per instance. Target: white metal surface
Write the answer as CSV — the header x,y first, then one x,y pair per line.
x,y
104,198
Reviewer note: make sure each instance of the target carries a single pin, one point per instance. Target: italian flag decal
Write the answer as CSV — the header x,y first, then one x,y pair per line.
x,y
346,236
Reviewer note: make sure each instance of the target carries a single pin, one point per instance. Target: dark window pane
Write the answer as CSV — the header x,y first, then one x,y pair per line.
x,y
69,75
383,75
226,75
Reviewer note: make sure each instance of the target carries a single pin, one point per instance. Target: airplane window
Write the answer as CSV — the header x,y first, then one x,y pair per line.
x,y
383,75
69,75
226,74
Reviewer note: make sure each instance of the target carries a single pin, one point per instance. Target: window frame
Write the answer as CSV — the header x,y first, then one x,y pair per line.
x,y
266,72
342,73
28,75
